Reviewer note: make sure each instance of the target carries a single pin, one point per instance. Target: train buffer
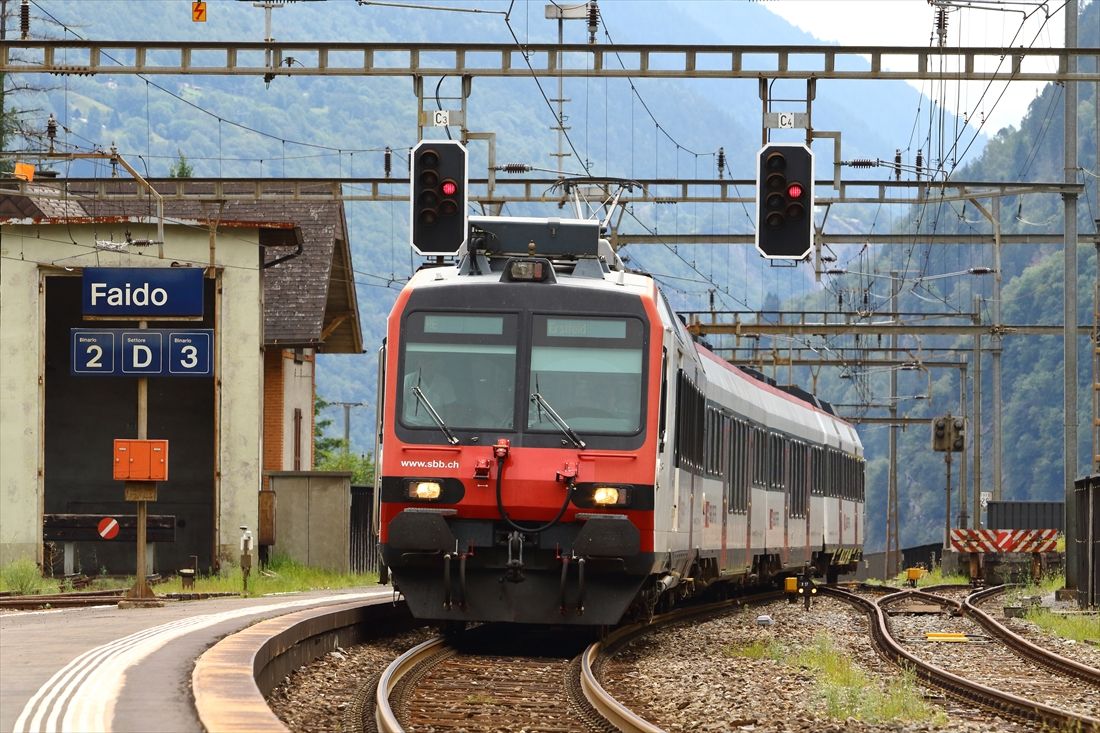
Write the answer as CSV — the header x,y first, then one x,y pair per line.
x,y
68,529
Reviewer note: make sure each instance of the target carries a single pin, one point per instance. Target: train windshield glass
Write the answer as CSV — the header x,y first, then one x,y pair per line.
x,y
590,371
465,365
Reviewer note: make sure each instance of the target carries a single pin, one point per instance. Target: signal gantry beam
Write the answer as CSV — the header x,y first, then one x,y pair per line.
x,y
669,61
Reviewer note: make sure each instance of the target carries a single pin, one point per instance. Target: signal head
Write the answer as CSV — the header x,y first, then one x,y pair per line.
x,y
785,197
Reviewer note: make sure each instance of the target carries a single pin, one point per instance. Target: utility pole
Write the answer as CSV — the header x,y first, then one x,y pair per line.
x,y
1069,200
347,422
892,543
562,13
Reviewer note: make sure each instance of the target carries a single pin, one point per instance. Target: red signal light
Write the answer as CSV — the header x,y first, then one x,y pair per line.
x,y
794,190
449,188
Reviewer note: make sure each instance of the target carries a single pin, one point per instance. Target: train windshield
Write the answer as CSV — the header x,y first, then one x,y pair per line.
x,y
465,366
589,369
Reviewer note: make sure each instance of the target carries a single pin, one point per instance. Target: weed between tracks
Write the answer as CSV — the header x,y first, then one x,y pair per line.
x,y
1078,627
846,690
850,693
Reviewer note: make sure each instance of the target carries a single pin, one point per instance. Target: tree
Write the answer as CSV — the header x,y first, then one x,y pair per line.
x,y
332,454
324,447
181,168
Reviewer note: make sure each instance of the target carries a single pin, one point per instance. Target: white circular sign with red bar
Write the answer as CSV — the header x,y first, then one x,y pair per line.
x,y
108,528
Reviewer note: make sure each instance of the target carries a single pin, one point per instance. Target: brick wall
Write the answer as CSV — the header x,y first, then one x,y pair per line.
x,y
273,410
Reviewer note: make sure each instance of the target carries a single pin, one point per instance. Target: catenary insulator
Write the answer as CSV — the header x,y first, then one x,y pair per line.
x,y
515,168
25,19
721,162
941,26
593,20
862,163
51,130
387,161
920,163
897,164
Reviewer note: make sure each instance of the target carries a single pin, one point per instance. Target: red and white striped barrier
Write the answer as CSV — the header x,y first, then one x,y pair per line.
x,y
1004,540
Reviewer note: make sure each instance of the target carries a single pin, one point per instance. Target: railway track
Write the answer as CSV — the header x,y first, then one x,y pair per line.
x,y
936,668
469,684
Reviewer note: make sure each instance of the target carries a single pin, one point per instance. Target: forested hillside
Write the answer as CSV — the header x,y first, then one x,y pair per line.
x,y
332,127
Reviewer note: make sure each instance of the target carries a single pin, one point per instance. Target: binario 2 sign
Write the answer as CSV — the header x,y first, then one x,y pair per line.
x,y
143,292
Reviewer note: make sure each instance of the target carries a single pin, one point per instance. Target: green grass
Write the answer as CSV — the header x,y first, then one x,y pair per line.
x,y
281,575
849,693
1079,627
770,649
935,576
24,578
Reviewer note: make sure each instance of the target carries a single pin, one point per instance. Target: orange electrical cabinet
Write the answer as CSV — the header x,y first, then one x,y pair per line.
x,y
141,460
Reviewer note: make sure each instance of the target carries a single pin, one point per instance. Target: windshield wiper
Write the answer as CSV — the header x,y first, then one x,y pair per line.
x,y
435,415
541,402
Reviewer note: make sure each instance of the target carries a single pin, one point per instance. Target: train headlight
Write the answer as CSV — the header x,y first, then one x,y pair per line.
x,y
425,490
609,496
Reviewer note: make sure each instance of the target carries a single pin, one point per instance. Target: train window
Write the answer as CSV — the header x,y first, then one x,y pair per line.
x,y
590,371
776,446
464,324
465,367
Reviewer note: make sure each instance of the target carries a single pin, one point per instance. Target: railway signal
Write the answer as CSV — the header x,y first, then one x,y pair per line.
x,y
785,201
439,195
958,435
939,434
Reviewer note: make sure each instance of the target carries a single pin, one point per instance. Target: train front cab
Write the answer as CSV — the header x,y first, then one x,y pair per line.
x,y
517,479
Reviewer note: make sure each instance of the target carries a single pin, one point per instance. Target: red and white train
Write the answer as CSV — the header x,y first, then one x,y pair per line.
x,y
554,447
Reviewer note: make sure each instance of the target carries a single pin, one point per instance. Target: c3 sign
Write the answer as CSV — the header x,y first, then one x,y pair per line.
x,y
142,291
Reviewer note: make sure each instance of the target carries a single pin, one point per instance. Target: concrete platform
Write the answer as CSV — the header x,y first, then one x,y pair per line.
x,y
110,669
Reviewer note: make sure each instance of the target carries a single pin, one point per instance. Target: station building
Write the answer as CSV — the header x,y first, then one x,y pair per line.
x,y
276,289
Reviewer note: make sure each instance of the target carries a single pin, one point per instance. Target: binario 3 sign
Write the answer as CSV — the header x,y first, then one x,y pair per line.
x,y
143,292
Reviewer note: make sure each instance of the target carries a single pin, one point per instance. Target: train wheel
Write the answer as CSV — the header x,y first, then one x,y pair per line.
x,y
452,629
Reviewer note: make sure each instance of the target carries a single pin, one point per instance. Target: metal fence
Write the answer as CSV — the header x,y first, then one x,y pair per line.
x,y
364,544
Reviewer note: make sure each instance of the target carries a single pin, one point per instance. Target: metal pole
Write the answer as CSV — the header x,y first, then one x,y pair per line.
x,y
347,426
963,412
892,542
1069,200
976,428
141,588
947,499
996,345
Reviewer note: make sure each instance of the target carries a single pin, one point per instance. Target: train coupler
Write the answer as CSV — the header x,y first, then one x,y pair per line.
x,y
513,569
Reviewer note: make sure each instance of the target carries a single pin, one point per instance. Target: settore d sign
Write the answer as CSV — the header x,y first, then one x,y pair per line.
x,y
147,292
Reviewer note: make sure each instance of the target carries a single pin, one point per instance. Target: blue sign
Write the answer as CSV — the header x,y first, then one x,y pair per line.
x,y
189,353
93,352
149,352
145,292
142,352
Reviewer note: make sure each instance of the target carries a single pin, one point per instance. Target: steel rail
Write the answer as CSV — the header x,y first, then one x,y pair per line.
x,y
973,692
603,701
1020,645
384,717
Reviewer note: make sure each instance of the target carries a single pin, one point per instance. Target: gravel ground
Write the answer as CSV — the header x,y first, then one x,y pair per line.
x,y
684,680
992,663
313,699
